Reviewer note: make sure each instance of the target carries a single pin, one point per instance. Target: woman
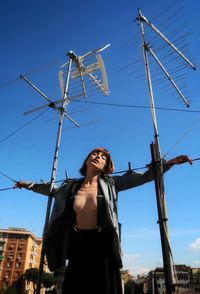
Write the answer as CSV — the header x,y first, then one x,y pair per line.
x,y
84,224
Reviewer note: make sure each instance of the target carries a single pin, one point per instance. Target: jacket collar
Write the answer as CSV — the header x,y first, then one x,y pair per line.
x,y
105,189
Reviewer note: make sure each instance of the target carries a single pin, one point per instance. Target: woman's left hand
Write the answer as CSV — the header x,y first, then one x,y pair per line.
x,y
179,160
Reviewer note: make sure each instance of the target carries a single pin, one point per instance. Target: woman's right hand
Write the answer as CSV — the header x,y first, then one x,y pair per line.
x,y
21,185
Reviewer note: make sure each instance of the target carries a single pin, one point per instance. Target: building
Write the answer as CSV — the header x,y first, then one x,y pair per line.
x,y
195,280
187,281
126,276
19,250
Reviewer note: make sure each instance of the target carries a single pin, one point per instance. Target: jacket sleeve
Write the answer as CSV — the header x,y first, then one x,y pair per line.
x,y
133,179
42,188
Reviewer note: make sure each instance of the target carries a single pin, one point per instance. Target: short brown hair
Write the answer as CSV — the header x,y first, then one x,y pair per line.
x,y
109,167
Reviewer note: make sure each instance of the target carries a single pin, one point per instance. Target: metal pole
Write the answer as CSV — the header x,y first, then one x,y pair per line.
x,y
158,172
162,221
53,174
149,83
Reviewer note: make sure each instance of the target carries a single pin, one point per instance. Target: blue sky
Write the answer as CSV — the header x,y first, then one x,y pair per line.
x,y
35,36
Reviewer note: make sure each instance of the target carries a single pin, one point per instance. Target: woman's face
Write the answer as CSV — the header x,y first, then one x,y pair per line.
x,y
97,160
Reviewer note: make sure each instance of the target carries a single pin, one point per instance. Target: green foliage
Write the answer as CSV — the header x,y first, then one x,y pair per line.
x,y
48,279
10,290
132,287
31,275
19,285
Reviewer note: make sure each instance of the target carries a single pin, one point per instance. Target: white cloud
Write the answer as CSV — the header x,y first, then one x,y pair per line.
x,y
196,262
131,263
195,246
130,256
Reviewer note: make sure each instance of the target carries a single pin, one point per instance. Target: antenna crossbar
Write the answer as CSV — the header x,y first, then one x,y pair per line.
x,y
167,74
51,104
34,87
155,29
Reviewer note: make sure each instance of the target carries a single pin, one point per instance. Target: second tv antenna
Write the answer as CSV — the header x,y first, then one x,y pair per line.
x,y
170,280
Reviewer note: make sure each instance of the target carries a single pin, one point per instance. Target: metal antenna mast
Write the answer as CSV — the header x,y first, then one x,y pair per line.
x,y
170,281
79,71
53,174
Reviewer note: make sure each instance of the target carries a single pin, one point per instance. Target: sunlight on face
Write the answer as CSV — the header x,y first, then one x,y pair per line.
x,y
97,159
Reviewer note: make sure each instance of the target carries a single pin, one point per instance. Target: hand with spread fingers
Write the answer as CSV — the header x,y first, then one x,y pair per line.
x,y
21,185
179,160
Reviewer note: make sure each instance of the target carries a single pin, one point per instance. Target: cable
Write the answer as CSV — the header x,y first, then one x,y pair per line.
x,y
23,126
38,69
136,106
8,177
63,180
5,189
183,136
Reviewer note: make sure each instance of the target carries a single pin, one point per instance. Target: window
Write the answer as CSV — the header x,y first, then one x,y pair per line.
x,y
23,237
12,236
10,256
20,247
33,248
18,264
7,275
19,256
9,264
16,275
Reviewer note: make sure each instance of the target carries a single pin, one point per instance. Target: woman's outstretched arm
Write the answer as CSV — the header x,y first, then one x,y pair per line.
x,y
133,179
43,188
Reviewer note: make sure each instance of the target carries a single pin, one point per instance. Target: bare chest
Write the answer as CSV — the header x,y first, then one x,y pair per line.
x,y
86,198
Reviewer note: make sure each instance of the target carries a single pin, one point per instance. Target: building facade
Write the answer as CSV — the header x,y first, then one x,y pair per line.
x,y
19,250
187,279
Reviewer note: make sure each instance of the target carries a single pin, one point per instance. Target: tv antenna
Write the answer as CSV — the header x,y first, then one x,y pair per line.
x,y
170,281
73,69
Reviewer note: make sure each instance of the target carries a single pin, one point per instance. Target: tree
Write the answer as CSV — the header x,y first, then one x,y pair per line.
x,y
132,287
10,290
31,275
48,280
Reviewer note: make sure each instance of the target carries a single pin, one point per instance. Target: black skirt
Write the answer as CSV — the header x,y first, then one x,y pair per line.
x,y
92,268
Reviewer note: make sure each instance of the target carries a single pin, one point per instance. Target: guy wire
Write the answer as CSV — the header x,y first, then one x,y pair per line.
x,y
183,136
41,68
135,106
23,126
